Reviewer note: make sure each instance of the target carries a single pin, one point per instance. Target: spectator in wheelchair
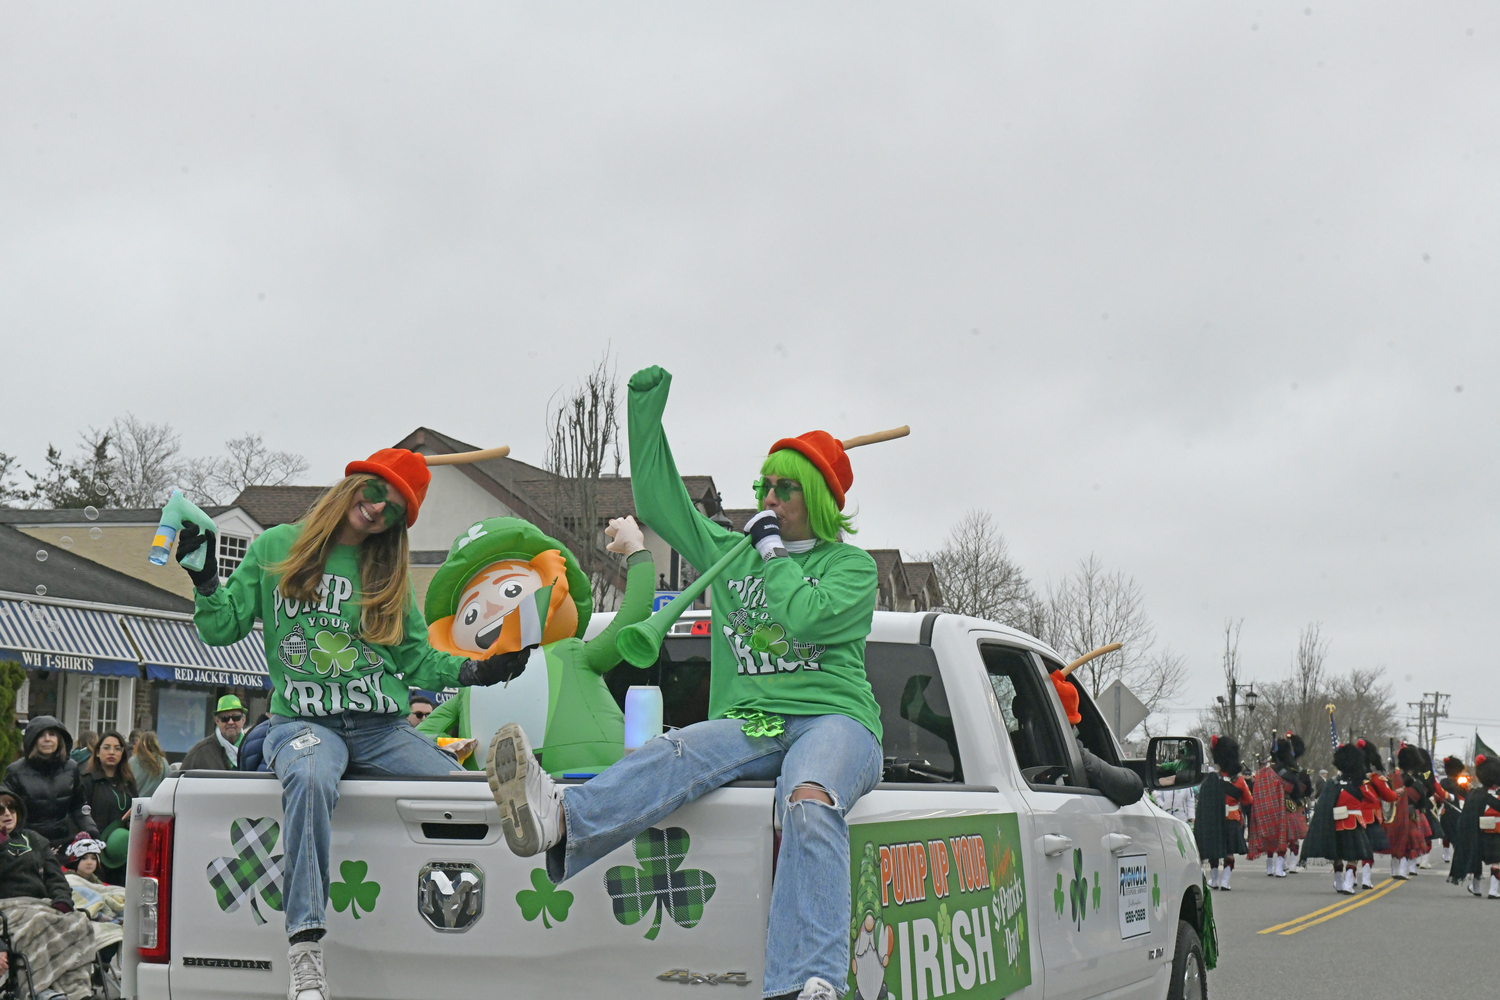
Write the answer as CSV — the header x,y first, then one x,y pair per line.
x,y
36,905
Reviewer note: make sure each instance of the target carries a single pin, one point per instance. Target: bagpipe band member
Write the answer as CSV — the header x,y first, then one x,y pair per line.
x,y
1377,790
1477,843
788,698
1337,830
1404,831
344,643
1222,801
1454,788
1278,791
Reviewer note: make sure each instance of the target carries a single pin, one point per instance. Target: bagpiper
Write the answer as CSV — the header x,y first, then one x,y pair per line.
x,y
1455,787
1280,789
1219,827
1337,831
1377,791
1478,842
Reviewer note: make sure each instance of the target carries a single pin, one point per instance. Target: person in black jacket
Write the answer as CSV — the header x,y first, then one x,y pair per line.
x,y
27,865
50,784
108,787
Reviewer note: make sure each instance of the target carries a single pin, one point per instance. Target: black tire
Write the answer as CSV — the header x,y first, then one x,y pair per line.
x,y
1189,974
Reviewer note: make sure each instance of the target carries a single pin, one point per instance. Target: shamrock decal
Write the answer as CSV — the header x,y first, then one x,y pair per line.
x,y
1059,897
544,898
945,924
770,638
334,653
476,532
658,882
252,870
1181,848
354,891
1098,890
1078,890
1155,892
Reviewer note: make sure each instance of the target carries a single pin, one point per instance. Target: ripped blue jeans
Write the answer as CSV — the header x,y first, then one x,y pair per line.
x,y
808,934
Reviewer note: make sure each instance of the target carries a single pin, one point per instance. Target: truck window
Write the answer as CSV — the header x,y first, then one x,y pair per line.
x,y
1093,731
919,743
1028,715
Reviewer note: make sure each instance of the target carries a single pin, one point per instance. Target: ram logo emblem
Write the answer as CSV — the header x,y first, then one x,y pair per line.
x,y
450,895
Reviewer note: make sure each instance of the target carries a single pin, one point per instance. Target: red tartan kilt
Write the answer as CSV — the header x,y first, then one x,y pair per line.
x,y
1296,824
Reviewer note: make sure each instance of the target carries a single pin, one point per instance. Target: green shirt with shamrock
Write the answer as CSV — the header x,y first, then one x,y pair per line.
x,y
318,663
788,634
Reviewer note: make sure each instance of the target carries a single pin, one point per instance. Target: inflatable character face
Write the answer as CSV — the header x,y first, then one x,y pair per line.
x,y
495,592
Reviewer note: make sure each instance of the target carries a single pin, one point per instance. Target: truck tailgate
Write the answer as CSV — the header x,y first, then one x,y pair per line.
x,y
404,846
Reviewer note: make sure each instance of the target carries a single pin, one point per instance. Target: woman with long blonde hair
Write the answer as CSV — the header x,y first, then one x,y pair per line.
x,y
148,765
344,644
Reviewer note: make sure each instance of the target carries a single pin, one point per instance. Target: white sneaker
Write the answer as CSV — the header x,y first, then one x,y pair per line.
x,y
1281,866
308,979
530,801
818,989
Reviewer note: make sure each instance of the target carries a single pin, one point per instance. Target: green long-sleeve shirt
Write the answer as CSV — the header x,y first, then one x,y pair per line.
x,y
788,634
318,663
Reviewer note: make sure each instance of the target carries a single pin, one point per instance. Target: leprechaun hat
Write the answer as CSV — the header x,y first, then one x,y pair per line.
x,y
493,540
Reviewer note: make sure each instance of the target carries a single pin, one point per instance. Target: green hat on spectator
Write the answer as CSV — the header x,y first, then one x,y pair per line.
x,y
229,703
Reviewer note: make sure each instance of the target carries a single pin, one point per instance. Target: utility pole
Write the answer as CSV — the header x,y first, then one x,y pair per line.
x,y
1439,711
1421,710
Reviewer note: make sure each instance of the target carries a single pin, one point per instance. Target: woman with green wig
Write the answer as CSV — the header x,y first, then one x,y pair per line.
x,y
788,699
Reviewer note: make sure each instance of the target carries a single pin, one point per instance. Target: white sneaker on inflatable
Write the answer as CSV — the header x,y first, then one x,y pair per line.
x,y
530,801
308,979
818,989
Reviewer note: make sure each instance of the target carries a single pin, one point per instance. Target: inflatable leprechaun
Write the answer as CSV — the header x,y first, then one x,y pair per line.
x,y
507,587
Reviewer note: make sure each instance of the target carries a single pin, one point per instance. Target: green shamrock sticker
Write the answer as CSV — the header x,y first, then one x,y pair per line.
x,y
354,891
333,652
544,898
1181,848
1098,891
770,639
659,882
1059,897
1078,890
945,925
1155,892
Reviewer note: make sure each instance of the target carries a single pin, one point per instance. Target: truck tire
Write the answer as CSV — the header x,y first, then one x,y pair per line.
x,y
1189,975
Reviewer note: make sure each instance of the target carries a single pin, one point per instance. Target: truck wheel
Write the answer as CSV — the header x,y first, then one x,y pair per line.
x,y
1189,976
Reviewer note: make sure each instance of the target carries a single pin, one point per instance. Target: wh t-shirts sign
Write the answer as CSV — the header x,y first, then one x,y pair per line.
x,y
318,663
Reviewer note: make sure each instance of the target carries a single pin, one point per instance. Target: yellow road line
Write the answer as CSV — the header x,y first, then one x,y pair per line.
x,y
1314,913
1352,906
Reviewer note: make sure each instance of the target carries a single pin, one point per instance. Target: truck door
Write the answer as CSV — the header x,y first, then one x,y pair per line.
x,y
1075,870
1135,857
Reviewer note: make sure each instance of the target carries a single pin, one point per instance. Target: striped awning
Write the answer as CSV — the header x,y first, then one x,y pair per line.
x,y
75,640
172,651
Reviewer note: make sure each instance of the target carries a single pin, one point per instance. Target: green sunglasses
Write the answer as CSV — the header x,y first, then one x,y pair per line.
x,y
783,488
376,492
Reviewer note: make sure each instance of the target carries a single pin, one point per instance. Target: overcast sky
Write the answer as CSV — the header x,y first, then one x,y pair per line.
x,y
1208,290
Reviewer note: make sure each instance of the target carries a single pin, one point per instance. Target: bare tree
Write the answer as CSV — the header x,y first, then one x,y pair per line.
x,y
10,487
249,463
1092,608
147,461
87,480
977,574
584,435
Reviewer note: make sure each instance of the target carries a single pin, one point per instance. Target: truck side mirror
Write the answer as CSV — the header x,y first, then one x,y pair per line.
x,y
1174,762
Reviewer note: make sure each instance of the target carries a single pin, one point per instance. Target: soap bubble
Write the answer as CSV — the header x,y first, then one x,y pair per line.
x,y
92,513
41,555
65,541
53,625
41,590
96,533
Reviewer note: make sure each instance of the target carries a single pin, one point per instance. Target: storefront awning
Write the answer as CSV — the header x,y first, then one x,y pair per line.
x,y
75,640
172,651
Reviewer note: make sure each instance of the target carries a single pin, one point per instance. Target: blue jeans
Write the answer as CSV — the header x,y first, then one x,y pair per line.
x,y
808,933
310,758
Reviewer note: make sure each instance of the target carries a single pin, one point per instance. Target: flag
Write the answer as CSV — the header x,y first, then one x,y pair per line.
x,y
1333,729
1480,747
525,626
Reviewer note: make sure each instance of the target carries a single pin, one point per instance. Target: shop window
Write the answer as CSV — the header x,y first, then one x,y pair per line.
x,y
231,553
99,705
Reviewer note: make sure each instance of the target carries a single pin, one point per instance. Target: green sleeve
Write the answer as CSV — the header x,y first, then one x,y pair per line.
x,y
227,615
836,610
661,501
415,660
444,720
601,652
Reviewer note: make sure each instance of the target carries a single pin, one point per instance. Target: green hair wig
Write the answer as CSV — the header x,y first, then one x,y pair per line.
x,y
823,514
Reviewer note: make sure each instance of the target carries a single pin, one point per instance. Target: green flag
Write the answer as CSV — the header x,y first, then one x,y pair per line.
x,y
1480,747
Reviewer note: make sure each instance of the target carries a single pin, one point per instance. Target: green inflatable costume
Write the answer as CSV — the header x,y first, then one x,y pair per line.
x,y
582,728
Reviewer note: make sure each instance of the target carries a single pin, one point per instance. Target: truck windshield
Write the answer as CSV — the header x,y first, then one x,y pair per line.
x,y
919,742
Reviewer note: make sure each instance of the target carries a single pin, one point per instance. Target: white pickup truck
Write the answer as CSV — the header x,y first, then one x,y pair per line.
x,y
981,867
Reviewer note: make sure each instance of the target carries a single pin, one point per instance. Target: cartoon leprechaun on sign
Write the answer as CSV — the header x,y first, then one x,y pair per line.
x,y
504,587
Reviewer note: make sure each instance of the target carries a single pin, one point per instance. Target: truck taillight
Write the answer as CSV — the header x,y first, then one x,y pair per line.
x,y
156,891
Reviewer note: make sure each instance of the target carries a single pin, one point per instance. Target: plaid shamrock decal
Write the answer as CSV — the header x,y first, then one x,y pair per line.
x,y
335,652
659,882
252,870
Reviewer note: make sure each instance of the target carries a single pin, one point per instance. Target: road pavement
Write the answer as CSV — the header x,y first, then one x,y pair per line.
x,y
1403,940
